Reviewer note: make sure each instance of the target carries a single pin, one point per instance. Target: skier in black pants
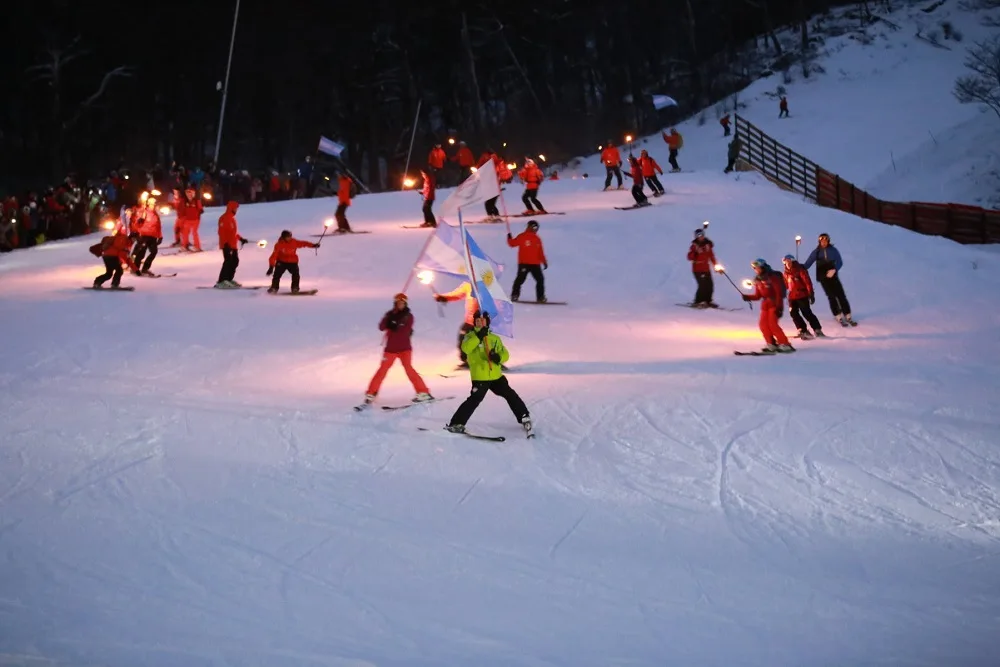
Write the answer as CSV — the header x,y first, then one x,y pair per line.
x,y
801,296
530,260
828,265
486,353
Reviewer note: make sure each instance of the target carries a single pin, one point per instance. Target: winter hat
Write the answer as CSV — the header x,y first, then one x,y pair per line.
x,y
759,263
533,225
400,297
699,232
788,258
285,234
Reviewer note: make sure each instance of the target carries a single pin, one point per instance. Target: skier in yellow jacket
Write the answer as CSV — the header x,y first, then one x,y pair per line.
x,y
485,352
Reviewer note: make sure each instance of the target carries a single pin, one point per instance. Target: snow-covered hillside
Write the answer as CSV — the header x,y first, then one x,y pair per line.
x,y
183,480
881,113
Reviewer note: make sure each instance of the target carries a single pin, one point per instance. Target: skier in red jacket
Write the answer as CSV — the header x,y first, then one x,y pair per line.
x,y
768,289
150,238
702,260
285,257
800,297
115,251
229,242
398,327
530,259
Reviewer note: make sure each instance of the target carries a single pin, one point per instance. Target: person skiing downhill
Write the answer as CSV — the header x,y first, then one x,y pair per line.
x,y
285,257
114,251
532,177
486,352
398,327
828,264
150,238
229,242
768,289
800,297
702,260
530,259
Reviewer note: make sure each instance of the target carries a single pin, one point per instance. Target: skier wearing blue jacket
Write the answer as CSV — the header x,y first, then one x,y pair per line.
x,y
828,264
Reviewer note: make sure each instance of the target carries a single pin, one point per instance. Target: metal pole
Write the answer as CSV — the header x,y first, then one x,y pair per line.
x,y
225,87
413,136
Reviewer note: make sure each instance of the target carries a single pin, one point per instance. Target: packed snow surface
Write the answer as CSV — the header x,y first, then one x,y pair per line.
x,y
183,480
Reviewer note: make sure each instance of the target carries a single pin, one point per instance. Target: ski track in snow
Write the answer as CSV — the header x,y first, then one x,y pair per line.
x,y
183,480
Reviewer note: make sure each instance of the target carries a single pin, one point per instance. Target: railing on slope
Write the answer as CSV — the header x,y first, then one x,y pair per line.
x,y
792,171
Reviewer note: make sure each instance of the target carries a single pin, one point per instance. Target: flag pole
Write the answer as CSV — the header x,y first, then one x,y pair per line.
x,y
413,135
468,258
409,278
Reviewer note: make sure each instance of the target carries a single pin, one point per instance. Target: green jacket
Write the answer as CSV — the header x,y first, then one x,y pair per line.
x,y
480,366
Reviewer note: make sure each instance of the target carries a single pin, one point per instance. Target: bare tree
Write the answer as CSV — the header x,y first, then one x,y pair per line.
x,y
983,85
64,116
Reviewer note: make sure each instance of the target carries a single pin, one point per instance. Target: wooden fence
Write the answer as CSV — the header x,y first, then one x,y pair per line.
x,y
791,171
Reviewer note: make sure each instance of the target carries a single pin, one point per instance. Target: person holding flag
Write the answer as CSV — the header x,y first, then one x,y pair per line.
x,y
486,354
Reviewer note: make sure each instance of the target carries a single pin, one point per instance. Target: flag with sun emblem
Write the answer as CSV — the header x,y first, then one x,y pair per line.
x,y
486,284
445,254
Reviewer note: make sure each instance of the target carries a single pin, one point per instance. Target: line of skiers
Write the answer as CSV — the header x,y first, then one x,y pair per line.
x,y
771,288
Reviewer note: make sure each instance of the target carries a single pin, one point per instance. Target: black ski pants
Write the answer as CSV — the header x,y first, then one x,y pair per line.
x,y
801,313
230,260
672,158
279,270
145,243
522,273
705,287
341,217
617,171
530,197
835,293
637,194
501,388
491,206
428,214
113,269
654,184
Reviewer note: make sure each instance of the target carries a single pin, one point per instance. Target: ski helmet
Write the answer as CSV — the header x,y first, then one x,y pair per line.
x,y
698,233
285,234
483,314
788,258
533,225
759,264
824,235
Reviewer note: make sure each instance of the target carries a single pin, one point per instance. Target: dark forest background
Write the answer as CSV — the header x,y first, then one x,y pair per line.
x,y
91,85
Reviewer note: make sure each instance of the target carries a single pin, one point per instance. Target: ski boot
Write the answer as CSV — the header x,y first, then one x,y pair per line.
x,y
422,397
455,428
785,348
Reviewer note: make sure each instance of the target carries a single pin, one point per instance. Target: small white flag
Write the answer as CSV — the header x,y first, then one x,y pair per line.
x,y
330,147
480,186
663,101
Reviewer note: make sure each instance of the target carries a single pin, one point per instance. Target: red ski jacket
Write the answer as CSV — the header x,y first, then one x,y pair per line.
x,y
799,284
701,256
398,339
529,248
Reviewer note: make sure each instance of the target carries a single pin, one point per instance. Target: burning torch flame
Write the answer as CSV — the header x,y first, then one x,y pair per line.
x,y
451,141
144,196
512,165
328,222
164,210
748,283
108,224
426,277
719,268
798,239
262,243
156,193
541,157
600,148
473,169
628,138
408,182
705,224
207,195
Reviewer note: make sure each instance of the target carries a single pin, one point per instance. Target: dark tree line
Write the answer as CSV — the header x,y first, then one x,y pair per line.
x,y
89,89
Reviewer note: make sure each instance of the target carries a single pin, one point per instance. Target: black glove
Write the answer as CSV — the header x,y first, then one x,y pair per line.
x,y
270,270
440,299
315,245
391,324
746,297
243,242
812,299
159,240
545,266
495,357
481,333
781,311
509,235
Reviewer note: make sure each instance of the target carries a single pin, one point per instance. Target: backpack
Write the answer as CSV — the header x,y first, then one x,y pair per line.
x,y
680,141
98,248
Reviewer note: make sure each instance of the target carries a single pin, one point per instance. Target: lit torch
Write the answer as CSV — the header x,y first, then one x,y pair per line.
x,y
408,182
262,243
426,277
207,195
108,224
798,242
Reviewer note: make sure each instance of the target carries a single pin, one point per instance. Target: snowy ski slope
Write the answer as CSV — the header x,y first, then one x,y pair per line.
x,y
881,115
183,481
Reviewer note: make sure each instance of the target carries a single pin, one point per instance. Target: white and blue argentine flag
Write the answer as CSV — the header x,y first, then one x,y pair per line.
x,y
492,298
329,147
445,254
